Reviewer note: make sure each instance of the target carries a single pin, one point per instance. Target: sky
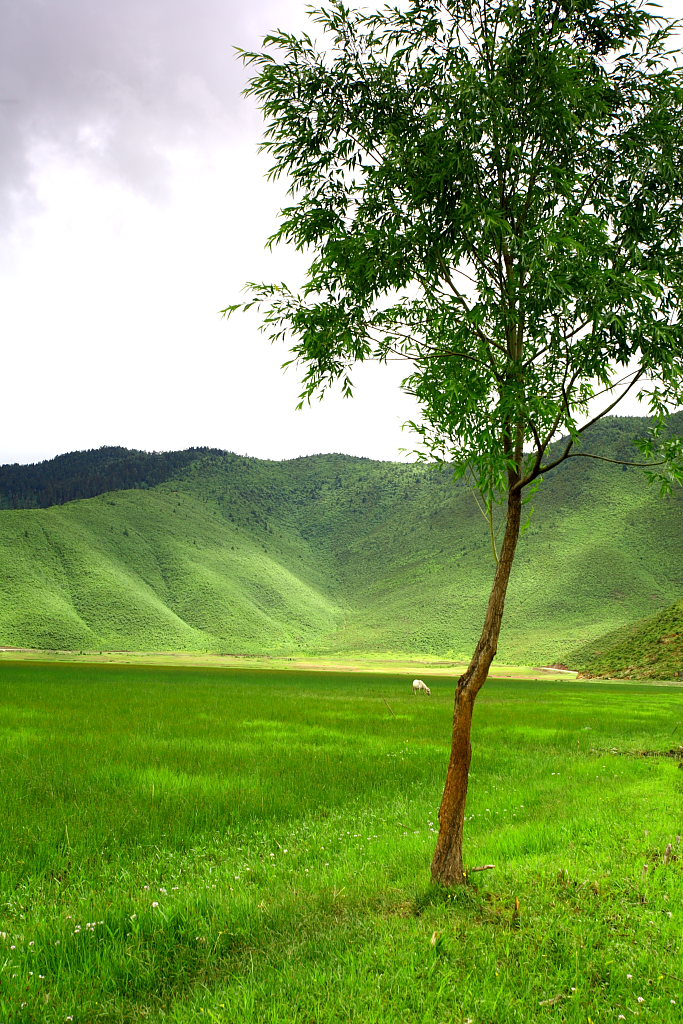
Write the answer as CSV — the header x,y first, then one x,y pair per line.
x,y
133,208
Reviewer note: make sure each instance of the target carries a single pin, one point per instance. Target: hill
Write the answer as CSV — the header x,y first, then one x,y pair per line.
x,y
85,474
337,554
651,648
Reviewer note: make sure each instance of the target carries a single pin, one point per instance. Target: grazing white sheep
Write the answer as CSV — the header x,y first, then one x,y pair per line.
x,y
420,687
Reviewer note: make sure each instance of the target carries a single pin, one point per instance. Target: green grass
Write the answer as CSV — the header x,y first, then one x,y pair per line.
x,y
335,555
650,648
202,845
150,570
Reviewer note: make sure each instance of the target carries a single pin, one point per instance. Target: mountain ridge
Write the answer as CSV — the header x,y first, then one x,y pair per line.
x,y
334,553
89,472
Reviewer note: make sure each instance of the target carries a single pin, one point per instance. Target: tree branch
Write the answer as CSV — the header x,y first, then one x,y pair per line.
x,y
617,462
638,375
567,453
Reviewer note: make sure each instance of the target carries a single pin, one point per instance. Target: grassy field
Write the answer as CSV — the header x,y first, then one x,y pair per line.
x,y
200,845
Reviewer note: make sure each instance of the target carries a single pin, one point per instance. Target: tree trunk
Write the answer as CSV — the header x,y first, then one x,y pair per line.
x,y
447,867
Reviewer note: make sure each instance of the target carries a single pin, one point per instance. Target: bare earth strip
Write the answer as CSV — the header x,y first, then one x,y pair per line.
x,y
381,663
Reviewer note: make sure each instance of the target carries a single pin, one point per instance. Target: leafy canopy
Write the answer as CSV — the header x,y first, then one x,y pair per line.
x,y
492,190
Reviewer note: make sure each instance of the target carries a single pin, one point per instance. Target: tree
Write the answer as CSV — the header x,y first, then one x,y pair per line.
x,y
493,191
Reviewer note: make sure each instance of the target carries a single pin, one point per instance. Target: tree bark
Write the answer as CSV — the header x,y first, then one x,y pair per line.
x,y
447,866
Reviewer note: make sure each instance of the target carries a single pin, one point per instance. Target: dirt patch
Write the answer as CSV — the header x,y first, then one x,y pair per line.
x,y
676,753
559,667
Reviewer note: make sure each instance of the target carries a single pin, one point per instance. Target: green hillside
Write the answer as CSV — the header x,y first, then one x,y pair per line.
x,y
151,570
651,648
337,554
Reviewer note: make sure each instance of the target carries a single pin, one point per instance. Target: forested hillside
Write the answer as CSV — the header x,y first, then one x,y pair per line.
x,y
338,554
84,474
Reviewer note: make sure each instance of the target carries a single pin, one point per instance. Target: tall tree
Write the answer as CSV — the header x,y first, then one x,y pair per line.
x,y
492,190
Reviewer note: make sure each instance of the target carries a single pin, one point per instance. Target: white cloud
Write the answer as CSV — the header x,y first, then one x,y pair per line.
x,y
116,338
140,208
135,207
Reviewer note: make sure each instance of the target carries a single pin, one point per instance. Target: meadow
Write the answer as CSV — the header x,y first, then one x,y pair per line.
x,y
203,845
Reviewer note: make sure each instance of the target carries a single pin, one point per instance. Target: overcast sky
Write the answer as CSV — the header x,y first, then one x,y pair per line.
x,y
133,207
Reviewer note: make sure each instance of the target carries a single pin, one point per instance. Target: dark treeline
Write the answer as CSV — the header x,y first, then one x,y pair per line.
x,y
88,473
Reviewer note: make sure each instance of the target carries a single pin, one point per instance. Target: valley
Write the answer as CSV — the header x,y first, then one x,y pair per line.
x,y
338,555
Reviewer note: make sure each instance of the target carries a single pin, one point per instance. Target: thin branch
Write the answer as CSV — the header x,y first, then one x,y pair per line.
x,y
457,294
540,470
611,387
572,334
617,462
541,446
492,534
457,270
546,348
541,352
616,401
566,388
540,452
567,453
488,516
453,354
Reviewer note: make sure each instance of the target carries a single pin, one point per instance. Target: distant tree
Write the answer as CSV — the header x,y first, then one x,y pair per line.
x,y
493,191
